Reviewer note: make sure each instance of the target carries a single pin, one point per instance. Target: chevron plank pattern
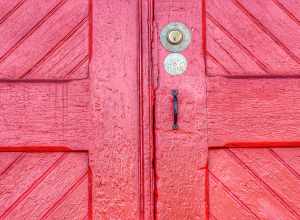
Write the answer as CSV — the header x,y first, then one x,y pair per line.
x,y
253,38
43,185
254,183
44,40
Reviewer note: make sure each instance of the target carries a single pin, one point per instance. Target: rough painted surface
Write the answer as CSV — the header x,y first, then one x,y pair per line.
x,y
252,56
181,155
253,38
253,110
44,185
115,110
44,40
115,120
45,114
254,183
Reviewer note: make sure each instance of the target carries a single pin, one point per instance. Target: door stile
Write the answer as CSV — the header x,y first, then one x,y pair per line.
x,y
146,147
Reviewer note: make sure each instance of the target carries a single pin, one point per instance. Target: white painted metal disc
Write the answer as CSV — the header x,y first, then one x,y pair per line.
x,y
175,64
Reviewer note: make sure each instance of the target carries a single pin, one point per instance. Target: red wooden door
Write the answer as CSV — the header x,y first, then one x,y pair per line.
x,y
86,110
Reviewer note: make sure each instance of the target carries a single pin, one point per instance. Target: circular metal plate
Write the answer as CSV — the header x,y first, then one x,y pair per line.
x,y
175,64
175,26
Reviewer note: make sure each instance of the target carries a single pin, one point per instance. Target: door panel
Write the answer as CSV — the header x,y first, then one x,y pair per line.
x,y
44,40
44,185
254,183
253,38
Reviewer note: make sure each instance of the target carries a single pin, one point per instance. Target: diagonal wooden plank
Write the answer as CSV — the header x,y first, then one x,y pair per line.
x,y
262,182
284,163
233,195
216,61
291,157
263,66
287,11
80,63
262,27
32,186
20,157
32,30
57,46
11,12
228,53
73,187
61,63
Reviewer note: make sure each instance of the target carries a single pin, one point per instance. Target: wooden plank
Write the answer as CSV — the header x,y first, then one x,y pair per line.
x,y
274,174
73,204
247,186
180,155
252,38
36,32
15,182
223,204
290,158
115,104
45,114
290,7
253,110
8,160
37,181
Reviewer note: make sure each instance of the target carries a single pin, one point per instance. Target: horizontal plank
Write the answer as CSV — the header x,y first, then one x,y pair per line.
x,y
253,110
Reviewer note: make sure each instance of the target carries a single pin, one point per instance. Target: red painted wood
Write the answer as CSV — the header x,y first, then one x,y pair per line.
x,y
61,30
86,112
114,85
253,184
180,155
36,185
252,38
252,110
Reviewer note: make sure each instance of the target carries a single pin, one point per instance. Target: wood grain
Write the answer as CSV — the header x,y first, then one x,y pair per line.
x,y
31,188
253,110
45,41
252,38
181,155
255,184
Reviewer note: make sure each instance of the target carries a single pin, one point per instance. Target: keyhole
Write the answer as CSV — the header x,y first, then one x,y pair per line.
x,y
175,36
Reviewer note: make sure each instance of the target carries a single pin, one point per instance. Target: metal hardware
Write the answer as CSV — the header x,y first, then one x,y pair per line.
x,y
174,93
175,64
175,37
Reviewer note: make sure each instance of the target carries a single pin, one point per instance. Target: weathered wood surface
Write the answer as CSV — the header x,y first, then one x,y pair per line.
x,y
44,40
253,38
253,110
181,155
261,183
44,185
96,93
114,86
